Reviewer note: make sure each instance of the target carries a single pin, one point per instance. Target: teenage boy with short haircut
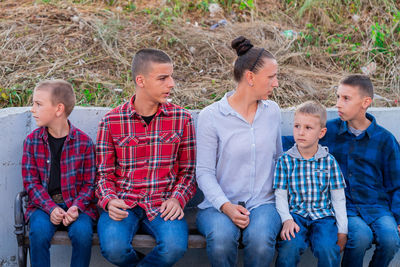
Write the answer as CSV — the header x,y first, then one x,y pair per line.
x,y
369,157
58,170
146,163
309,190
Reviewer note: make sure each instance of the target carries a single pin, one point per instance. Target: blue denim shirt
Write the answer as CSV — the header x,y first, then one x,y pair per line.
x,y
235,159
370,164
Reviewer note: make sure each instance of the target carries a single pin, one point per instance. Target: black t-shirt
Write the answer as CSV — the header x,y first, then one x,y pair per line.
x,y
56,145
148,119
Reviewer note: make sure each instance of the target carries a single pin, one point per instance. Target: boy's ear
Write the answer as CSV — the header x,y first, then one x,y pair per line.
x,y
60,109
367,101
140,80
322,133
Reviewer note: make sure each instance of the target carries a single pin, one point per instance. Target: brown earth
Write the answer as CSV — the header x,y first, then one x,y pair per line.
x,y
91,45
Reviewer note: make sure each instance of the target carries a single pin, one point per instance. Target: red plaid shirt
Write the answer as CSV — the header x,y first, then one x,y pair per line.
x,y
146,164
78,171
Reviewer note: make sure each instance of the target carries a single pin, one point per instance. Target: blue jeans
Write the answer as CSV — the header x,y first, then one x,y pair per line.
x,y
320,233
42,230
116,239
383,230
223,235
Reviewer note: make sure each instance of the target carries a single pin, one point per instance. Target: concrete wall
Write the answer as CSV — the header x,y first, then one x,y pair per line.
x,y
16,123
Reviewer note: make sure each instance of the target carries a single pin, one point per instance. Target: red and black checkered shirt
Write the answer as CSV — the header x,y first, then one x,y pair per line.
x,y
77,166
146,164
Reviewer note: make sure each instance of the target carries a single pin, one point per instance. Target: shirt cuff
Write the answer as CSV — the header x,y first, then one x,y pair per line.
x,y
342,229
217,203
49,209
79,204
285,217
104,201
180,198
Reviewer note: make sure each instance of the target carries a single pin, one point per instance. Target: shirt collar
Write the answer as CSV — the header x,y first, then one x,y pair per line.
x,y
322,152
162,108
226,109
71,134
344,126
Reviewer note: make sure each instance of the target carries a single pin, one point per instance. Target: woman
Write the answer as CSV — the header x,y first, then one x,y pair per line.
x,y
238,143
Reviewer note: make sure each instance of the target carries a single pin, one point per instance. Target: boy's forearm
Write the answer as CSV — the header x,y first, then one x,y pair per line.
x,y
339,206
393,176
37,194
105,160
105,191
282,204
185,186
86,193
39,197
85,196
105,184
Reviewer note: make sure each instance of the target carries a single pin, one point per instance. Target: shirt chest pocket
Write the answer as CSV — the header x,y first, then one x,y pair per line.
x,y
127,147
168,143
126,141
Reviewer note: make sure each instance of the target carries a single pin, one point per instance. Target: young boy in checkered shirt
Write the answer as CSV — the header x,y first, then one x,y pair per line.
x,y
309,190
58,170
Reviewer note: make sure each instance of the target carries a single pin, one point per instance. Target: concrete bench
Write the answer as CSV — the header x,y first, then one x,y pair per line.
x,y
17,123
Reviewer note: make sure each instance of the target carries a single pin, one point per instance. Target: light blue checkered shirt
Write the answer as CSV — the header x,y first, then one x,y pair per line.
x,y
309,182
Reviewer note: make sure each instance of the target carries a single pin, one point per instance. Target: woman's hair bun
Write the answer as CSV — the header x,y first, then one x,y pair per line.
x,y
241,45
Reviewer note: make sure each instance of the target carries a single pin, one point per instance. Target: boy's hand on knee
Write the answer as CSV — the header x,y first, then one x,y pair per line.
x,y
342,240
171,209
238,214
57,215
117,209
398,229
289,228
71,215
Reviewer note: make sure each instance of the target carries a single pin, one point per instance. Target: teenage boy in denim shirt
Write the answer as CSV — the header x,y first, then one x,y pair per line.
x,y
369,157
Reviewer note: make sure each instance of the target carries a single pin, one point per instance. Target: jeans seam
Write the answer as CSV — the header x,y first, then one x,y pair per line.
x,y
147,224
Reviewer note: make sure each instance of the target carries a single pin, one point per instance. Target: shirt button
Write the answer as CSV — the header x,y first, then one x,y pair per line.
x,y
48,161
350,174
144,125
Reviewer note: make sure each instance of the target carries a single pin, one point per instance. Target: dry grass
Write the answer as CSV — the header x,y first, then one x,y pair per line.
x,y
92,47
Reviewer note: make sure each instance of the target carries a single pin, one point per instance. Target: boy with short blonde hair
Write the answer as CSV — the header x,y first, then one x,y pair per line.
x,y
58,170
309,190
